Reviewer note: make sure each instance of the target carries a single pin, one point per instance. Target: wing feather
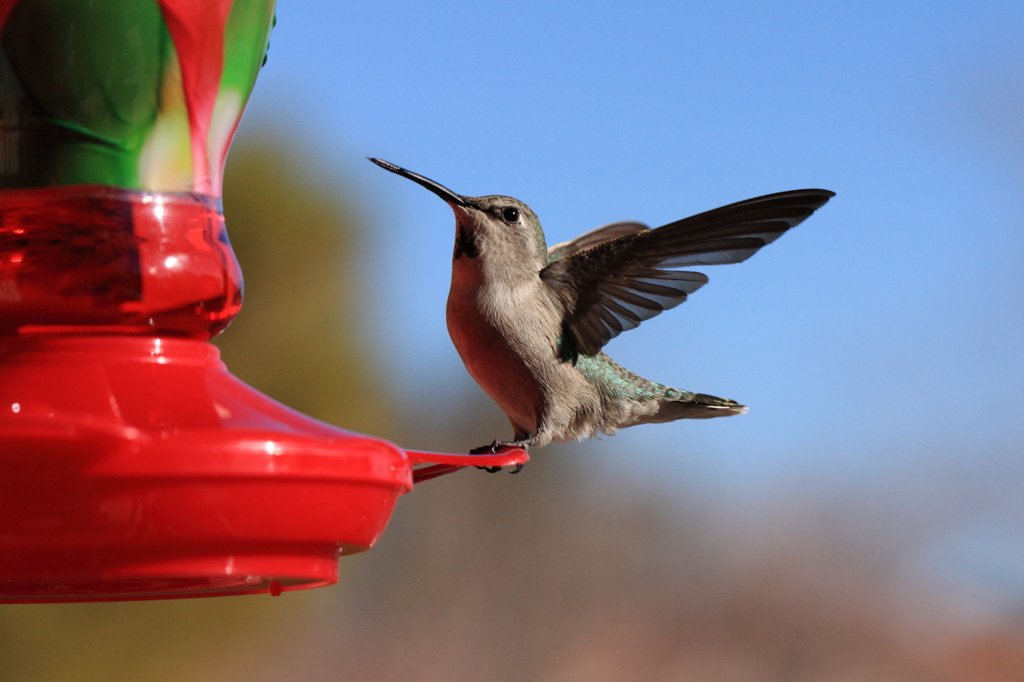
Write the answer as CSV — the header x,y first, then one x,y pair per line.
x,y
595,236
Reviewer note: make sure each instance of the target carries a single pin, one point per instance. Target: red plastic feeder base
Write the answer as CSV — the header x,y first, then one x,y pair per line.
x,y
139,468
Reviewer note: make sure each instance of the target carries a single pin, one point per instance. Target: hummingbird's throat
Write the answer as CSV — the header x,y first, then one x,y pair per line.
x,y
465,243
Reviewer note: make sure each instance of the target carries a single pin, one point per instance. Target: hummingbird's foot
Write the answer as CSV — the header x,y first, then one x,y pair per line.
x,y
496,447
491,449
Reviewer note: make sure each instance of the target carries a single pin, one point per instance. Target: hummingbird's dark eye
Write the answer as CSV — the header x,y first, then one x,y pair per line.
x,y
510,214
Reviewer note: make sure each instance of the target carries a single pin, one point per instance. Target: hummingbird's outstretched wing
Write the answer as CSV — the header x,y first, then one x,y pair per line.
x,y
613,278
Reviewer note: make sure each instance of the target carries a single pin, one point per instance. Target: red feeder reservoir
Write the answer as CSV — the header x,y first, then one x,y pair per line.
x,y
133,465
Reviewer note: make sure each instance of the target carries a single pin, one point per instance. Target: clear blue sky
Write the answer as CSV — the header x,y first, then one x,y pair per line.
x,y
878,345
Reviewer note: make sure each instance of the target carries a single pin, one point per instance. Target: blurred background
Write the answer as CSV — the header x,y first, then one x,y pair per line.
x,y
863,522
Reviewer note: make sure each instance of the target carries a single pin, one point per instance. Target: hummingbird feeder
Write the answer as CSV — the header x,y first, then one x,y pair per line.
x,y
133,465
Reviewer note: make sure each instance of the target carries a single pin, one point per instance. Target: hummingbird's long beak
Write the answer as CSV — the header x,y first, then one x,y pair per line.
x,y
437,188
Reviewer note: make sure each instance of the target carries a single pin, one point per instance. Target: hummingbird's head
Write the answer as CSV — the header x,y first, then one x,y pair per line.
x,y
495,228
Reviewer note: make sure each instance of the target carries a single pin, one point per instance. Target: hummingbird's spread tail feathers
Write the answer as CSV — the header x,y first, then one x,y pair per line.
x,y
694,406
629,399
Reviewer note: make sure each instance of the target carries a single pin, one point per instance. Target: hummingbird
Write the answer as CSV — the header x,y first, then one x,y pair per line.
x,y
529,321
